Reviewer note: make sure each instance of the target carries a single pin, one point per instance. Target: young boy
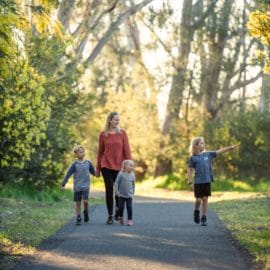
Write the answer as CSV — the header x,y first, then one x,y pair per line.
x,y
201,162
81,182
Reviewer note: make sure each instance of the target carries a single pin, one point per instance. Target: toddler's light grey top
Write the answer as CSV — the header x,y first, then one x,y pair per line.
x,y
125,184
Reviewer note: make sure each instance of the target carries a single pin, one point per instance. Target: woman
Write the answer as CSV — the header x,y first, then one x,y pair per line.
x,y
113,148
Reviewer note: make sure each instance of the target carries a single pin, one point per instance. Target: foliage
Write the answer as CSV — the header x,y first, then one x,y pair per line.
x,y
24,114
41,98
259,25
68,106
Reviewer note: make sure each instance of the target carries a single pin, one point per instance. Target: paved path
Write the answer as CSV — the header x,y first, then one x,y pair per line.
x,y
163,237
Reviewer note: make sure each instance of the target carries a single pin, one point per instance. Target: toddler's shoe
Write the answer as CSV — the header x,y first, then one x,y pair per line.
x,y
86,216
197,216
79,220
130,222
203,221
121,220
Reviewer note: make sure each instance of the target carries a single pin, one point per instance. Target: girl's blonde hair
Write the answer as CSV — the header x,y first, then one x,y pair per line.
x,y
110,117
77,148
125,162
193,144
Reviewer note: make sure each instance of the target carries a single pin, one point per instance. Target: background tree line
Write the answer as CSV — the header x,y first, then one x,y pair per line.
x,y
66,64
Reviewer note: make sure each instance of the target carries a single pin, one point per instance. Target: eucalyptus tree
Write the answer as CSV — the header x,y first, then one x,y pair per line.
x,y
225,57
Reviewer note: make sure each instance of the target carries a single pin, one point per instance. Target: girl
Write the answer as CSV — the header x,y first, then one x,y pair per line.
x,y
125,188
201,161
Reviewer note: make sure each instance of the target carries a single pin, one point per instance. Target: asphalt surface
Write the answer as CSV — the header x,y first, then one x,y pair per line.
x,y
163,237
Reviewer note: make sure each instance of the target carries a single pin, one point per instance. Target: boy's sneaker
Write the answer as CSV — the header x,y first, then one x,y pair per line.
x,y
110,220
79,220
197,216
130,222
86,216
121,220
203,221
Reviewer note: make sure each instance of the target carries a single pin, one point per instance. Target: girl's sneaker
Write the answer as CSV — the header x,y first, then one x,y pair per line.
x,y
197,216
203,221
121,220
130,222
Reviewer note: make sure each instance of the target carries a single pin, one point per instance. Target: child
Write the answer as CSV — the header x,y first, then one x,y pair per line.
x,y
201,161
125,188
81,181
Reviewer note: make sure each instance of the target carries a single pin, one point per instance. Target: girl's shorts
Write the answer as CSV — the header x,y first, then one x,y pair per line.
x,y
202,190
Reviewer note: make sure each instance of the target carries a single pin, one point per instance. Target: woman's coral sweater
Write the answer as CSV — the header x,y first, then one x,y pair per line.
x,y
112,150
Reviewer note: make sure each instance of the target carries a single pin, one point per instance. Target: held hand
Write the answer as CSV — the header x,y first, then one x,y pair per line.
x,y
97,174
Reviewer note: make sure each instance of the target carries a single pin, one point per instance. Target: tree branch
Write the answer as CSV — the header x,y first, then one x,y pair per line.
x,y
240,83
165,47
113,27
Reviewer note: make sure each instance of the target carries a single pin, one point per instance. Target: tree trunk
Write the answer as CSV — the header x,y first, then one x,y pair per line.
x,y
164,164
217,33
265,94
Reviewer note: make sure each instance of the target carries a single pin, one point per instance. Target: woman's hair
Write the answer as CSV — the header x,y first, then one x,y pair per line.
x,y
125,162
193,144
77,148
110,117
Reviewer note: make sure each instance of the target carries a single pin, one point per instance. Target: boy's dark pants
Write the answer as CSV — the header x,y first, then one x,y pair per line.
x,y
128,202
109,177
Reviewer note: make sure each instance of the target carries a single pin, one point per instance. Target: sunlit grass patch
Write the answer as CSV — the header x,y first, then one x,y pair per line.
x,y
249,222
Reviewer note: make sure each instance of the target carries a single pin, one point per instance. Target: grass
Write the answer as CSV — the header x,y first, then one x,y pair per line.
x,y
178,182
249,222
27,217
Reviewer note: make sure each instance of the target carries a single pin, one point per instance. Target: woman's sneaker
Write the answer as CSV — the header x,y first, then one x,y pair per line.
x,y
197,216
130,222
79,220
110,220
86,216
203,221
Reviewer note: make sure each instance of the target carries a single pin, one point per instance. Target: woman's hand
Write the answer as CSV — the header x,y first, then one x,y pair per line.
x,y
97,174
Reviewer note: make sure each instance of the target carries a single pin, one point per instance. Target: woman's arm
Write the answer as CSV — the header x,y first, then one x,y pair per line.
x,y
126,148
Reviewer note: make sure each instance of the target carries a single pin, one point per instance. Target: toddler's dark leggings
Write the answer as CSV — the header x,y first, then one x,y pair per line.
x,y
109,177
128,202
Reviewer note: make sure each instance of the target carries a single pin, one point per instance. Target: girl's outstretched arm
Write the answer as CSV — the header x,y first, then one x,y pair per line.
x,y
226,149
